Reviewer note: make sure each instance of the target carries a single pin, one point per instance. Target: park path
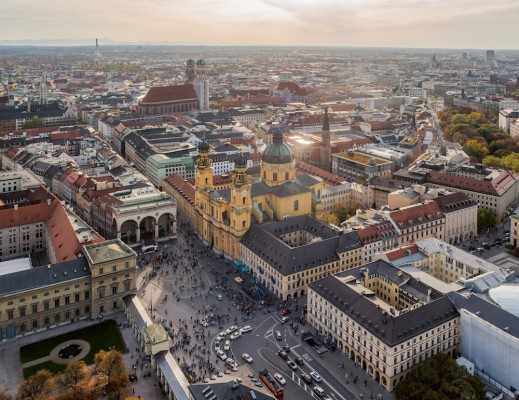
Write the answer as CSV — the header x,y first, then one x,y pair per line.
x,y
54,354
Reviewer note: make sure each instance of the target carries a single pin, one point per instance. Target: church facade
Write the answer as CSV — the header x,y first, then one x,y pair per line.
x,y
223,217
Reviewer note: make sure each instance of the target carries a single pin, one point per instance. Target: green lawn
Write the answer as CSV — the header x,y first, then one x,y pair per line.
x,y
101,336
48,365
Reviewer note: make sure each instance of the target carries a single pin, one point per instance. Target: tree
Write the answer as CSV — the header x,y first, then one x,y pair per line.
x,y
110,364
492,161
475,148
329,218
458,119
34,122
486,219
4,395
78,383
440,378
36,387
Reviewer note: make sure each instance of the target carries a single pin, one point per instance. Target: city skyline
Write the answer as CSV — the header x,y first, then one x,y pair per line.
x,y
367,23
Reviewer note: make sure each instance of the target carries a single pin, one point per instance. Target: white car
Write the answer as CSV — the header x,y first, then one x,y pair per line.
x,y
221,335
235,335
280,379
316,376
231,329
284,320
245,329
278,335
227,345
231,362
204,323
247,358
217,345
221,355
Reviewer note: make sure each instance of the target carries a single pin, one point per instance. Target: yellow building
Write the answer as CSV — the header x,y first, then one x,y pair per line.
x,y
223,216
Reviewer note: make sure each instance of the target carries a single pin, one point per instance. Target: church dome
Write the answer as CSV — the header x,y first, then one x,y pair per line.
x,y
203,147
190,62
278,152
240,161
200,62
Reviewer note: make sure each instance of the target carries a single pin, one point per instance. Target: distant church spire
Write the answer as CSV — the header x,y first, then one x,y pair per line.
x,y
325,151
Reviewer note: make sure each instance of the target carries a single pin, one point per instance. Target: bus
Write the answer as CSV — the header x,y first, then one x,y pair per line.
x,y
149,249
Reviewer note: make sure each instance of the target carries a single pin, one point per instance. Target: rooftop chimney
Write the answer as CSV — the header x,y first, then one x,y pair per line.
x,y
49,201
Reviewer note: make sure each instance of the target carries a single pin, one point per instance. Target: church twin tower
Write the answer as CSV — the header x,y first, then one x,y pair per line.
x,y
222,217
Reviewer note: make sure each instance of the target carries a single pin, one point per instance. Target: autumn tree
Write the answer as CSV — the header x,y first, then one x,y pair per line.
x,y
476,148
328,218
110,364
4,395
37,386
77,383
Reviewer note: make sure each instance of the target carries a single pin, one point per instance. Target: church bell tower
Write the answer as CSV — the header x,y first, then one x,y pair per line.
x,y
241,198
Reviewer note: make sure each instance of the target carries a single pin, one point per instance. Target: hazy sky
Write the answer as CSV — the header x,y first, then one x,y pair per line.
x,y
406,23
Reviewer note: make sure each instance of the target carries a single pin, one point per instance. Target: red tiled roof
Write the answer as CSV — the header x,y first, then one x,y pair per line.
x,y
326,176
292,87
342,107
186,189
61,233
416,215
402,252
163,94
496,187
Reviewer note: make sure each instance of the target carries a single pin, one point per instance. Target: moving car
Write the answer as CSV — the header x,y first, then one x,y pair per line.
x,y
280,379
245,329
286,348
285,312
318,390
283,354
307,378
247,358
292,365
299,361
231,329
284,320
316,377
278,335
235,335
219,297
227,345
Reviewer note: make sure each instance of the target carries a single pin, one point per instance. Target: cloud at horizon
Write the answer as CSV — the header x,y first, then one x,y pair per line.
x,y
392,23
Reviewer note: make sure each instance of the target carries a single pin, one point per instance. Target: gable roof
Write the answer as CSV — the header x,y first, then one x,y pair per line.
x,y
416,215
163,94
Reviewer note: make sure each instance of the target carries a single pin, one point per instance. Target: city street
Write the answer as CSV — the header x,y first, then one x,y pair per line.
x,y
183,283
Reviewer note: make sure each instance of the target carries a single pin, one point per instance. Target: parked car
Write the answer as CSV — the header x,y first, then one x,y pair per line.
x,y
221,355
292,365
245,329
217,345
280,379
227,345
284,320
219,297
204,323
247,358
235,335
315,376
231,362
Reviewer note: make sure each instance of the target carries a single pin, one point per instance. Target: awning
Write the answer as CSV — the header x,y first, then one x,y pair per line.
x,y
238,280
238,263
245,269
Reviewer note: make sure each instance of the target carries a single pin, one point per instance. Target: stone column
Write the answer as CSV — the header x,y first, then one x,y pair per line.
x,y
156,230
138,233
